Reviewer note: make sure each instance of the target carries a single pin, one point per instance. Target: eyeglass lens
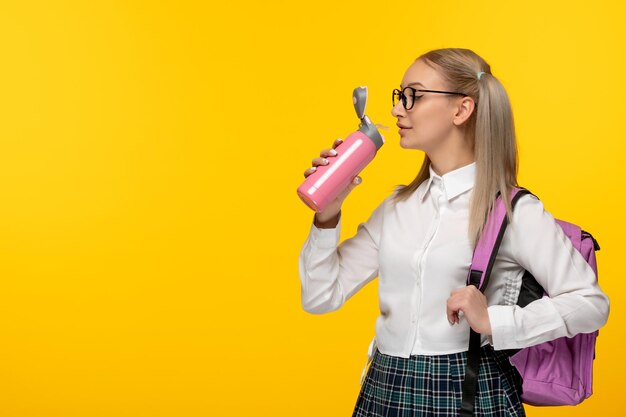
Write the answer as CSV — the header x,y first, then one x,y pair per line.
x,y
405,95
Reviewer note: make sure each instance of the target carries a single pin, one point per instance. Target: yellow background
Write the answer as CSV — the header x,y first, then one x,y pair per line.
x,y
150,153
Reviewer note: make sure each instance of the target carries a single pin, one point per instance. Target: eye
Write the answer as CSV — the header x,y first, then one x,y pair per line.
x,y
418,97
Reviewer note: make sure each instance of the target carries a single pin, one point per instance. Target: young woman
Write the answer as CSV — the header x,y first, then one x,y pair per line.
x,y
419,242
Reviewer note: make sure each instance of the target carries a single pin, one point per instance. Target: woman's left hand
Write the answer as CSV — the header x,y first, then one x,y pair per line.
x,y
473,304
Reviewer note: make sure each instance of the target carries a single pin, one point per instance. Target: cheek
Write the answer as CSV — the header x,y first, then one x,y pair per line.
x,y
430,122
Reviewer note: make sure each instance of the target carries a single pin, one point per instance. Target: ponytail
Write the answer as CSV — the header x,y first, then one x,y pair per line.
x,y
495,150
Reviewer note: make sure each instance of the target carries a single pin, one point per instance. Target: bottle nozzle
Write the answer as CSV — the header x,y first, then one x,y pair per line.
x,y
359,99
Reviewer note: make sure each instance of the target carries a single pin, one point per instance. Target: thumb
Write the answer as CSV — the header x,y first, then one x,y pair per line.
x,y
355,182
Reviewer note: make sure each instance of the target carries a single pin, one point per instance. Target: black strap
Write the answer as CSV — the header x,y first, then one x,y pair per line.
x,y
470,383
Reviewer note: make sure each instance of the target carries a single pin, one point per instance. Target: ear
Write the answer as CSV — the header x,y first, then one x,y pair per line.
x,y
464,109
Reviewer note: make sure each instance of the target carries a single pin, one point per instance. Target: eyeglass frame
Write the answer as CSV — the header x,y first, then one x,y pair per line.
x,y
415,90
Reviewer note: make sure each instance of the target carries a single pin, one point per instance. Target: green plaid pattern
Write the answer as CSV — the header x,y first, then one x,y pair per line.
x,y
422,386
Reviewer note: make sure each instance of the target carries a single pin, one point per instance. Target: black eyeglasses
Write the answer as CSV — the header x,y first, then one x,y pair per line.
x,y
408,98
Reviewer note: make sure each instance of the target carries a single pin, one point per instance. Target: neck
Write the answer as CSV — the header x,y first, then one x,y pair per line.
x,y
448,165
455,153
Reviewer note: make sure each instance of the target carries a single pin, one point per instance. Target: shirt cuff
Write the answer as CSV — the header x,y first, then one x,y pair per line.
x,y
502,326
325,238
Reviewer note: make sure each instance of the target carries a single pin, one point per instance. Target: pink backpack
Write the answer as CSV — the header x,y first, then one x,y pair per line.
x,y
558,372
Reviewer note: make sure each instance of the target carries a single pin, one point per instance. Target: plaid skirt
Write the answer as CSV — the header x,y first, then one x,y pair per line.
x,y
432,386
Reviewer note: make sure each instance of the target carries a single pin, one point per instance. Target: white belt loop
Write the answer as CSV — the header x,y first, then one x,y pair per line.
x,y
370,356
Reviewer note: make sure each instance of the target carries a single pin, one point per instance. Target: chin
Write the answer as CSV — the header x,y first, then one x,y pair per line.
x,y
409,143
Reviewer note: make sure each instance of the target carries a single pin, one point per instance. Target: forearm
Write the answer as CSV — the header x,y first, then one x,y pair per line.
x,y
547,319
322,223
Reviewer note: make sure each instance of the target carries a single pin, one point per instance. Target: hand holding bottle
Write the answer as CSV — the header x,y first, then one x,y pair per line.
x,y
334,174
330,214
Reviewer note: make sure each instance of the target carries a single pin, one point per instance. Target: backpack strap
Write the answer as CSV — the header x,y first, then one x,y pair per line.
x,y
489,242
482,263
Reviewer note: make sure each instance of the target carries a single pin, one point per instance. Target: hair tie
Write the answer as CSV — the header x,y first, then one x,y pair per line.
x,y
480,74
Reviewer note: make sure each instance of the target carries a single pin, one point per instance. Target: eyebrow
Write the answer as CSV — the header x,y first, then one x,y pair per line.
x,y
414,83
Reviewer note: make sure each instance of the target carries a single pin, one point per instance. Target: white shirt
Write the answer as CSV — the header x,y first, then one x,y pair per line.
x,y
420,251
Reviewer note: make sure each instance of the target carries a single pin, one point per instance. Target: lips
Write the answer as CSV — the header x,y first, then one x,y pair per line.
x,y
402,126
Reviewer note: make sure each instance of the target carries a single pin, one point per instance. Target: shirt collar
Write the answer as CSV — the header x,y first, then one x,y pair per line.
x,y
454,182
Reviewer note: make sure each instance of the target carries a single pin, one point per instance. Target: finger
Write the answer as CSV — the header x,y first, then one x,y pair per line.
x,y
458,290
451,313
456,297
309,171
337,142
355,182
328,152
454,310
459,316
453,318
319,161
469,288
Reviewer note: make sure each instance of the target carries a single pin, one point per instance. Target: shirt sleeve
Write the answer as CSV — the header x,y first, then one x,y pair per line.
x,y
330,273
576,304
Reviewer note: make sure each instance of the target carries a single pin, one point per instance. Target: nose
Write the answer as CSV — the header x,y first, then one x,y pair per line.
x,y
398,110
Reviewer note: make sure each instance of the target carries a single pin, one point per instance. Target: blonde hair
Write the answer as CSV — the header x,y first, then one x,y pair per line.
x,y
490,129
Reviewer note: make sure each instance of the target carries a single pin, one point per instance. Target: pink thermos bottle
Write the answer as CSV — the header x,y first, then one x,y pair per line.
x,y
353,154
